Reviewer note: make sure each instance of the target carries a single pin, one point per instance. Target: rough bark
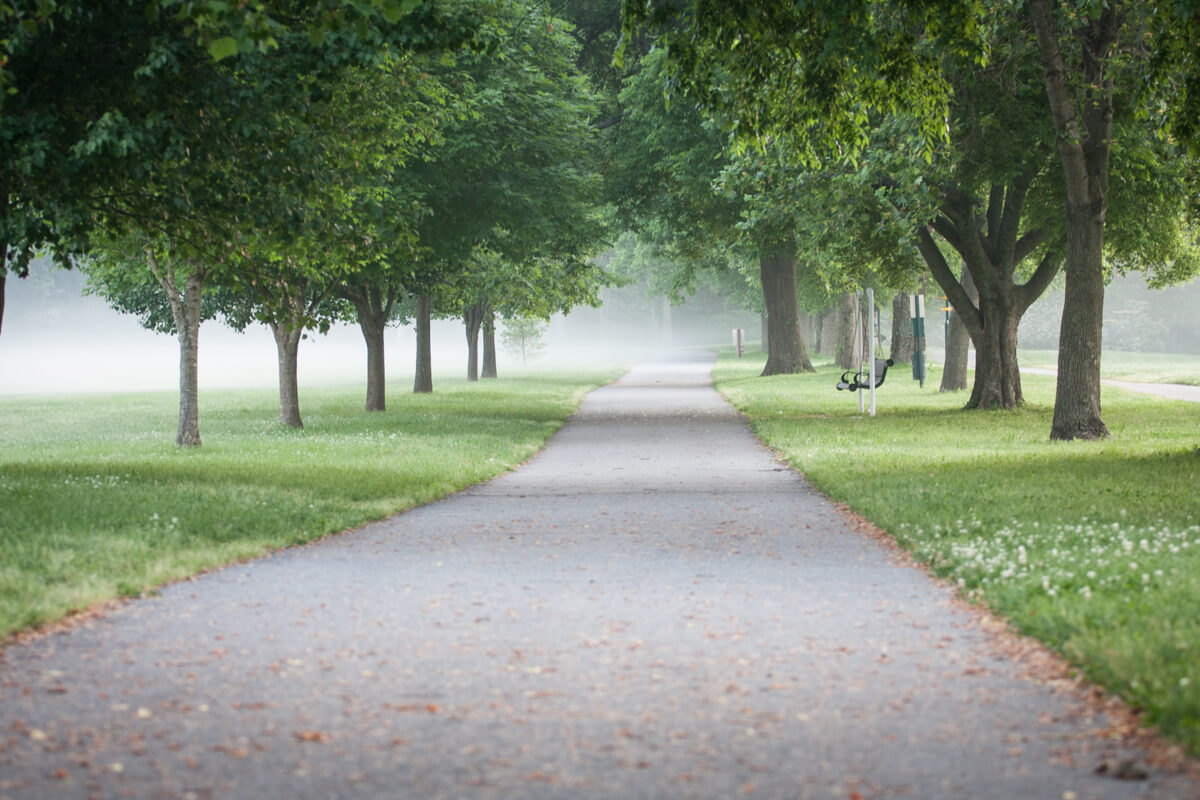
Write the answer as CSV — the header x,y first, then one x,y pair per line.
x,y
423,379
185,313
902,335
488,370
373,307
846,332
473,317
764,334
958,344
372,330
1084,142
287,348
786,353
997,375
991,248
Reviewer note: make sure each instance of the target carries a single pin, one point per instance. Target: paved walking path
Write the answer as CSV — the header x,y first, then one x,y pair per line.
x,y
651,608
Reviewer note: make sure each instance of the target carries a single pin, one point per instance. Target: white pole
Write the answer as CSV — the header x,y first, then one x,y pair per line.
x,y
871,336
858,344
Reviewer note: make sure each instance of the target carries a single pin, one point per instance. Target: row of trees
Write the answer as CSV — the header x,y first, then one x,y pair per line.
x,y
990,147
374,162
386,160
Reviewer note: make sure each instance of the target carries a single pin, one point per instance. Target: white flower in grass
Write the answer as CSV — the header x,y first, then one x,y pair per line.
x,y
1022,556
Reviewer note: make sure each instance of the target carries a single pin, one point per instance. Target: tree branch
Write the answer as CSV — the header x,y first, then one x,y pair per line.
x,y
960,301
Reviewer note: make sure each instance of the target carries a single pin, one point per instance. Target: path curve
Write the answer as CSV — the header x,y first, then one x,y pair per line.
x,y
652,608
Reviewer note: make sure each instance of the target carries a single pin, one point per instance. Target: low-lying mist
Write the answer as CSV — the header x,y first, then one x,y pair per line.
x,y
57,340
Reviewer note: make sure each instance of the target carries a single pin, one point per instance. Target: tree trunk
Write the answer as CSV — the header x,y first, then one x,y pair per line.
x,y
1084,152
3,251
489,344
185,313
829,332
786,353
847,326
997,376
423,380
473,322
188,434
764,334
287,347
958,343
1077,392
902,335
372,331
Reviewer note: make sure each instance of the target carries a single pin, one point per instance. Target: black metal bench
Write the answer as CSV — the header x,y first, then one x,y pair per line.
x,y
853,381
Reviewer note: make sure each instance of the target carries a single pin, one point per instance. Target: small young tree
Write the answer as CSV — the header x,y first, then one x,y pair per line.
x,y
524,335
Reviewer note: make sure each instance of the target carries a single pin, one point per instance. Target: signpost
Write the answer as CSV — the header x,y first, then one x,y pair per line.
x,y
917,306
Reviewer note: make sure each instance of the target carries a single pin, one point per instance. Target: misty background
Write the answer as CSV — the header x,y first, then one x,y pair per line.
x,y
56,339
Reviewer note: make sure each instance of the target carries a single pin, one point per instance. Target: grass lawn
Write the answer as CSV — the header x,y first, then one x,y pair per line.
x,y
1093,547
1121,366
97,502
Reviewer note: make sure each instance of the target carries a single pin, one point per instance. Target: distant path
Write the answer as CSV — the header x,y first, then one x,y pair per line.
x,y
1173,391
652,608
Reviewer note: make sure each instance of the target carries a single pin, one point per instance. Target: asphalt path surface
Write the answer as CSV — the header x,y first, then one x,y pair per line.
x,y
653,607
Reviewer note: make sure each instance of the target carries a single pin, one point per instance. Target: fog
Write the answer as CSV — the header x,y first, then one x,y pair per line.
x,y
57,340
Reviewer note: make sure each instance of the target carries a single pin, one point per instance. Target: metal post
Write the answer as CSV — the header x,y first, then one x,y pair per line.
x,y
858,344
918,326
871,346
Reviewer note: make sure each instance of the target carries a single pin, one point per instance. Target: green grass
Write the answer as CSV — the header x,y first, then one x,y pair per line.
x,y
1135,367
1092,547
96,501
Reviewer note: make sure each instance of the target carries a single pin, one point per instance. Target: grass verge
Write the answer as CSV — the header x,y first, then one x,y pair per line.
x,y
96,502
1092,547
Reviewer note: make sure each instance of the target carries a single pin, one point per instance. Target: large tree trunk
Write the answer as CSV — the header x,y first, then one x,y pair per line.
x,y
997,376
847,329
786,353
764,333
489,344
902,335
473,321
958,343
287,348
1084,153
991,248
423,380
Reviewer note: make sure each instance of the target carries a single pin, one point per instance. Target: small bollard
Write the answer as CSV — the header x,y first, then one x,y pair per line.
x,y
739,341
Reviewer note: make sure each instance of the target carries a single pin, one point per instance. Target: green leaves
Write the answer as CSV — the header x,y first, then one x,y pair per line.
x,y
224,47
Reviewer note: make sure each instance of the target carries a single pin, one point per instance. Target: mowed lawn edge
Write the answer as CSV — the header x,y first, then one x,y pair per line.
x,y
1091,547
97,502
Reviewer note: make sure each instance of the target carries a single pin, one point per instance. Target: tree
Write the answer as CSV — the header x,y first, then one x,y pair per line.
x,y
524,336
1090,58
77,77
822,75
510,197
678,178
